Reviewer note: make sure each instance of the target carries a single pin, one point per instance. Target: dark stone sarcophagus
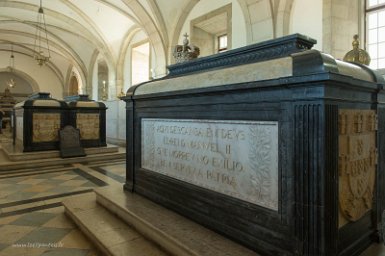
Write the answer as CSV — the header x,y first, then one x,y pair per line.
x,y
38,121
274,145
90,118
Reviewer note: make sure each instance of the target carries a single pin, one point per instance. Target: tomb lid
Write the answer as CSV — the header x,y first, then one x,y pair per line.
x,y
314,62
41,99
83,101
87,104
40,95
287,63
271,49
80,97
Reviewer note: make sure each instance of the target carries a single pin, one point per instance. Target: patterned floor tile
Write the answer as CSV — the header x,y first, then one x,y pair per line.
x,y
118,176
22,251
60,221
65,177
42,195
93,253
38,188
31,181
17,196
118,168
44,236
90,184
7,220
11,233
4,193
5,186
33,219
51,182
55,210
50,175
76,239
66,189
66,252
74,183
46,232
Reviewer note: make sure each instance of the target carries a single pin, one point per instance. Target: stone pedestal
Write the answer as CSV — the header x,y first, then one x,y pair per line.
x,y
274,145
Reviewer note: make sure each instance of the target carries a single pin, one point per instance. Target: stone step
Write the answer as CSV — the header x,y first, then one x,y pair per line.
x,y
109,234
15,153
43,162
173,232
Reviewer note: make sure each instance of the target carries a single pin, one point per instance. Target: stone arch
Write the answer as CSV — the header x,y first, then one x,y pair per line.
x,y
283,13
246,16
90,78
34,85
122,58
258,14
154,35
178,27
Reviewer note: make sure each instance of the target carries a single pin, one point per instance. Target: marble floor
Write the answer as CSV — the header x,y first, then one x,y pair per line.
x,y
32,219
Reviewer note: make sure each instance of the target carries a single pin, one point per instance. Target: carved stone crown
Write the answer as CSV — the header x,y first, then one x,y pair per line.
x,y
357,55
185,52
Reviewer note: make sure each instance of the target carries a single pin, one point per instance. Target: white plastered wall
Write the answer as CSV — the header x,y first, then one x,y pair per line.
x,y
306,18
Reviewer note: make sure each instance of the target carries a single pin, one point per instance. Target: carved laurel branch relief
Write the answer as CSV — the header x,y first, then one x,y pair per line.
x,y
260,158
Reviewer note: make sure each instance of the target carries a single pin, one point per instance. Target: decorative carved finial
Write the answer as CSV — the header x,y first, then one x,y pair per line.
x,y
185,52
185,41
357,55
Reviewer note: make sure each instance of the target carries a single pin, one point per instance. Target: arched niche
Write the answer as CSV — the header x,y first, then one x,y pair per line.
x,y
73,88
102,80
24,84
75,84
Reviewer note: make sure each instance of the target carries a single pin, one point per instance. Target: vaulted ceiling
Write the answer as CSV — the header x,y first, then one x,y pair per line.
x,y
79,28
81,31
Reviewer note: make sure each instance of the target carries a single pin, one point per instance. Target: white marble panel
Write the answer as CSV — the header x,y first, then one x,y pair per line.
x,y
263,70
20,128
236,158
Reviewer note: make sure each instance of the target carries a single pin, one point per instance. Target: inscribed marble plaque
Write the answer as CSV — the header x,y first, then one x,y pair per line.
x,y
46,127
236,158
89,125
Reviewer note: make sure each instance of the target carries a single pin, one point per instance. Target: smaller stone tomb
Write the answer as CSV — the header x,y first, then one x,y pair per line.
x,y
90,118
38,121
70,142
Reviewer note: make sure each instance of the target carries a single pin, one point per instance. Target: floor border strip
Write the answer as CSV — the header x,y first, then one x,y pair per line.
x,y
27,201
32,172
90,177
31,209
109,174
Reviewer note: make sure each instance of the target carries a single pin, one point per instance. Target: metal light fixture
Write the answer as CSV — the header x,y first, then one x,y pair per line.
x,y
41,38
11,82
11,66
